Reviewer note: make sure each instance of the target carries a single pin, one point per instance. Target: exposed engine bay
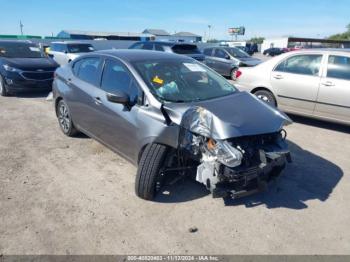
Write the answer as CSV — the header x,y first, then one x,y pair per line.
x,y
232,167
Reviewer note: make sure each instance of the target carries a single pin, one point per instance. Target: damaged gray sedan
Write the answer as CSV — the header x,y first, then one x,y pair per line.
x,y
171,115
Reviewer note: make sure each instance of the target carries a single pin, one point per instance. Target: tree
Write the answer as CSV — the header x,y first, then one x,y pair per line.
x,y
341,36
257,40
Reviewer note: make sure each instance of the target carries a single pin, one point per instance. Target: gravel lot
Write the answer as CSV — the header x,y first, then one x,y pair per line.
x,y
62,195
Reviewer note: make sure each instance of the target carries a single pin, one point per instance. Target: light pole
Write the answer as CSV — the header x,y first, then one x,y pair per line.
x,y
209,26
21,26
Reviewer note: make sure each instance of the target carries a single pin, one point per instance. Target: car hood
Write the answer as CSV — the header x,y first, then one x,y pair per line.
x,y
250,61
240,114
44,63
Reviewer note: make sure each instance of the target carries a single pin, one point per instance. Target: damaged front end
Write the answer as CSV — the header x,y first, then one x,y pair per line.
x,y
232,167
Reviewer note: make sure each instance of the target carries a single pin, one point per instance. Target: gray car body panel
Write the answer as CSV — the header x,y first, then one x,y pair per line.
x,y
240,114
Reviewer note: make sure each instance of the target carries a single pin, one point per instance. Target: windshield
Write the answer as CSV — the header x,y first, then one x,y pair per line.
x,y
80,48
177,80
237,53
185,49
20,50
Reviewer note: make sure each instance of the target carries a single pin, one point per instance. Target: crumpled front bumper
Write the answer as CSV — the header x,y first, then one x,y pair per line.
x,y
239,182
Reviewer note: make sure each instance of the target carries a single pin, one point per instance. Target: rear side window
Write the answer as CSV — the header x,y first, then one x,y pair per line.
x,y
116,77
339,67
185,49
89,70
208,51
301,64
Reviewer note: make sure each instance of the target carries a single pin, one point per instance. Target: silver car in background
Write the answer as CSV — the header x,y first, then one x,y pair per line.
x,y
313,83
65,52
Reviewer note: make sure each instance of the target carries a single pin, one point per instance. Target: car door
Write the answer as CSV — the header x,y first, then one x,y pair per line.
x,y
82,95
219,61
296,81
333,99
208,52
118,121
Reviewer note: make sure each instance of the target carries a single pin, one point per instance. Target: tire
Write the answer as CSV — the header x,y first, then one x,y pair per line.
x,y
267,97
3,89
149,177
233,74
65,119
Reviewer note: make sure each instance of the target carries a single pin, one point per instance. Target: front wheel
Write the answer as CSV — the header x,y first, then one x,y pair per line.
x,y
65,119
267,97
149,178
3,90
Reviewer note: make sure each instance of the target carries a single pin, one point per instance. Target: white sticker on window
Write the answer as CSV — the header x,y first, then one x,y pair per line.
x,y
34,49
194,67
91,48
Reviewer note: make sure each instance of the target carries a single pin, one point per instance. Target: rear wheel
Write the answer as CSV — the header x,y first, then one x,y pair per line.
x,y
266,96
233,74
3,90
149,178
65,119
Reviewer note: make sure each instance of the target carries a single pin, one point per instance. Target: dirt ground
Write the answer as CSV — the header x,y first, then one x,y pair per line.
x,y
61,195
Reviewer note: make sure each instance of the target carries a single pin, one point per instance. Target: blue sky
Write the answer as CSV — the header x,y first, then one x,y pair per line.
x,y
269,18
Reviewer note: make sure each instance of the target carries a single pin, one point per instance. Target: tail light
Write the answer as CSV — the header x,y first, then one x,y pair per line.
x,y
238,74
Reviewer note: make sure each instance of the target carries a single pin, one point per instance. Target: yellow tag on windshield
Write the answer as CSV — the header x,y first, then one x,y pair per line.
x,y
157,80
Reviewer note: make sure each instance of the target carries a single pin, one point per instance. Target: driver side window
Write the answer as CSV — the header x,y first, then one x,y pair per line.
x,y
301,64
220,53
116,78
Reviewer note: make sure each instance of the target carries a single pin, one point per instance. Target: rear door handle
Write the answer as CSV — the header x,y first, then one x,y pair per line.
x,y
98,101
328,83
278,76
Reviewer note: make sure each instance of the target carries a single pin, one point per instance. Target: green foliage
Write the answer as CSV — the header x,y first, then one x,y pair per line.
x,y
341,36
257,40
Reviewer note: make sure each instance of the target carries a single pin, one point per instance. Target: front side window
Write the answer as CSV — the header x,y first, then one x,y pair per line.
x,y
185,49
80,48
20,50
158,47
116,78
147,46
339,67
89,70
301,64
220,53
182,80
237,53
208,51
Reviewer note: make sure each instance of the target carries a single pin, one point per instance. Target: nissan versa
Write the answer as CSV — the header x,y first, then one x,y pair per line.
x,y
169,114
24,67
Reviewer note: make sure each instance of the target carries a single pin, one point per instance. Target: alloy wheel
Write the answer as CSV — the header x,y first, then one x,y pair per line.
x,y
264,98
63,117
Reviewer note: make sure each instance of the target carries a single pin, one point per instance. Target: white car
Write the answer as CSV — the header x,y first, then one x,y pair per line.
x,y
314,82
65,52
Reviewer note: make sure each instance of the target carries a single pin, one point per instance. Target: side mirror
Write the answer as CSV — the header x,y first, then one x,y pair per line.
x,y
118,97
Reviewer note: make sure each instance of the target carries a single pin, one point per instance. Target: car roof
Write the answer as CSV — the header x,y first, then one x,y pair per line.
x,y
323,50
130,55
70,42
16,41
166,43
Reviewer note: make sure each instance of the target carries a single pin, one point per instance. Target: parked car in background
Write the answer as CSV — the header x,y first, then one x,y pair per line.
x,y
170,114
246,49
226,60
312,82
24,67
190,50
273,51
65,52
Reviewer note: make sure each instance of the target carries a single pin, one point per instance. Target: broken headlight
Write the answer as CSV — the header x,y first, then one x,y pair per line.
x,y
224,153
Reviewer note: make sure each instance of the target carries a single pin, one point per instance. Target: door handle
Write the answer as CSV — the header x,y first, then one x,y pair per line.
x,y
98,101
328,83
278,76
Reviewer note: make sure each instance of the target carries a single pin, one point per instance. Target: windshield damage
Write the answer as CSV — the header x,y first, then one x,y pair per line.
x,y
233,167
